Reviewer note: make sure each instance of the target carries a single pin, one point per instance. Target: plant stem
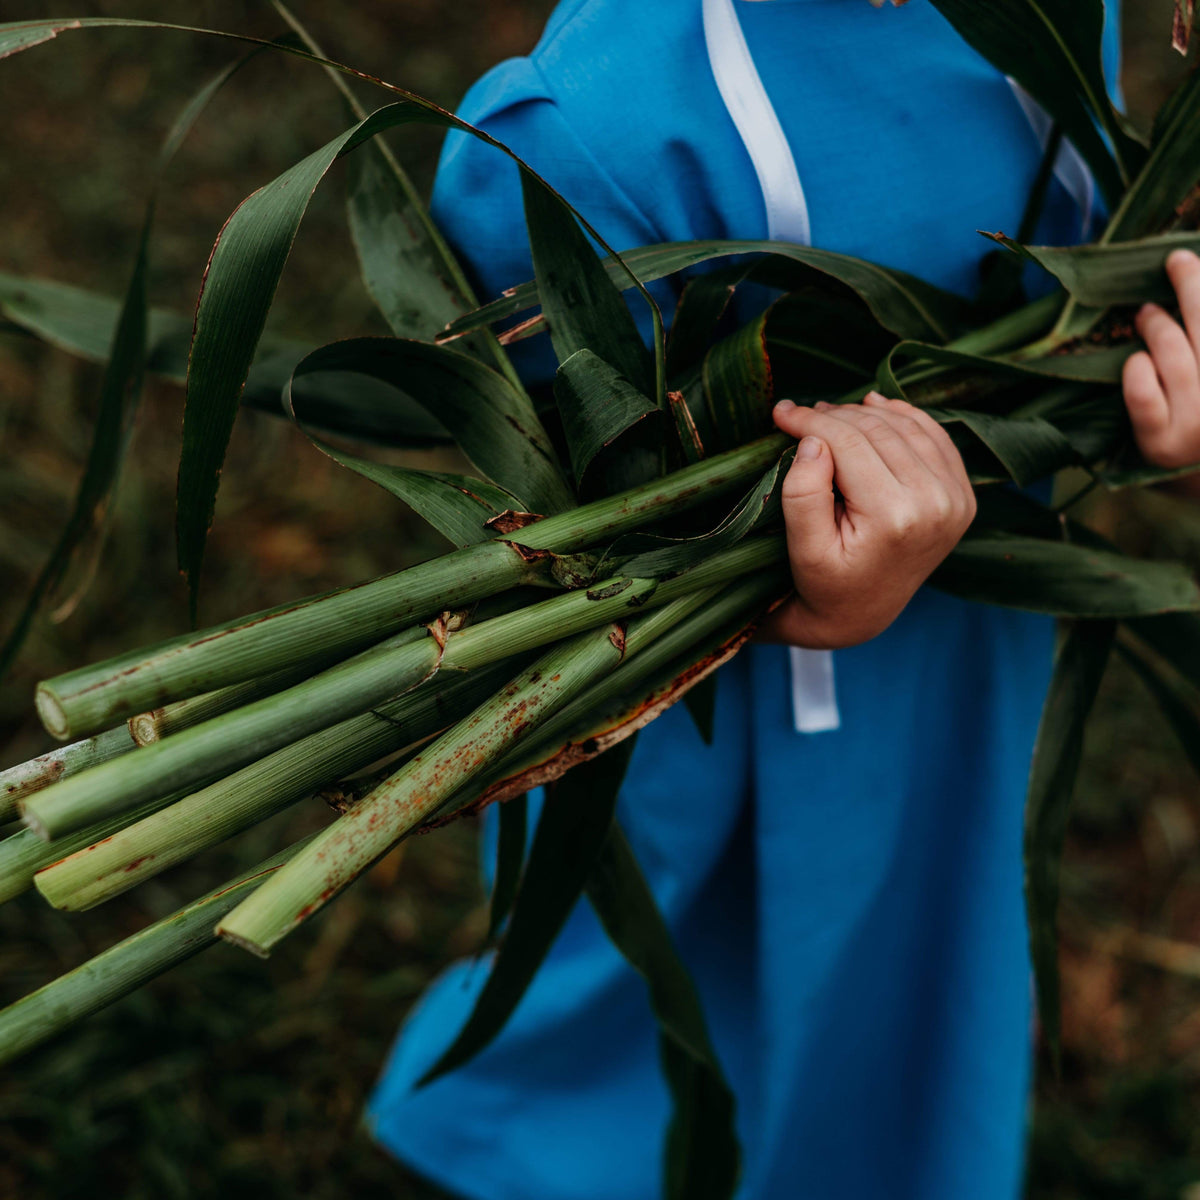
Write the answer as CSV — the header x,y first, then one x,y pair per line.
x,y
97,872
28,777
126,966
353,686
341,852
348,620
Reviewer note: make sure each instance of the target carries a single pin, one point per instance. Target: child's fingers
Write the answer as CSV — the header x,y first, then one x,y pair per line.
x,y
1149,413
1183,269
889,439
860,470
940,439
809,507
1174,358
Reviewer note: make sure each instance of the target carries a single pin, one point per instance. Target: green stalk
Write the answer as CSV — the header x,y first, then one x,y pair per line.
x,y
159,723
97,872
126,966
232,740
412,795
23,854
347,620
28,777
681,639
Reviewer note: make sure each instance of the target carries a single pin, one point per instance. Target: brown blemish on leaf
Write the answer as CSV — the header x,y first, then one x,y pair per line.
x,y
520,330
616,635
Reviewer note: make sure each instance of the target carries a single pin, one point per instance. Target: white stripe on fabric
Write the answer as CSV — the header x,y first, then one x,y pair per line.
x,y
1072,172
814,695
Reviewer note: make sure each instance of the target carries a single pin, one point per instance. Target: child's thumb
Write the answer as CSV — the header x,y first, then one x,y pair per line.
x,y
808,503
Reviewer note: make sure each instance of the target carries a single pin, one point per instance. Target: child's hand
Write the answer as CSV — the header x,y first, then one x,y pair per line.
x,y
1162,383
905,502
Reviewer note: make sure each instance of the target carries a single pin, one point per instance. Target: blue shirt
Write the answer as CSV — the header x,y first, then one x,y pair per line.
x,y
849,902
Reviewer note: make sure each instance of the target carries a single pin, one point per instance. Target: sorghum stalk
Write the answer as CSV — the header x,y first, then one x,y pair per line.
x,y
232,740
28,777
125,967
96,696
412,795
97,872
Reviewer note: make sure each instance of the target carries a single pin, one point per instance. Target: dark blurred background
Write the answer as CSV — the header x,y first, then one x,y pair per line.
x,y
233,1077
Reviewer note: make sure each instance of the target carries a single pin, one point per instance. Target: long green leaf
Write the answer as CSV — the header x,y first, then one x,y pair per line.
x,y
574,825
1053,49
1178,702
703,1155
1079,666
120,390
1114,272
597,406
510,860
1028,448
494,424
1064,579
582,303
737,385
902,303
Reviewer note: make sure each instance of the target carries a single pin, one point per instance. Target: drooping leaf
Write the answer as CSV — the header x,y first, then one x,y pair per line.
x,y
1112,273
1027,448
701,703
737,385
703,1155
510,858
120,390
1078,668
582,303
1053,49
1169,175
907,306
574,825
653,556
493,424
597,405
1064,579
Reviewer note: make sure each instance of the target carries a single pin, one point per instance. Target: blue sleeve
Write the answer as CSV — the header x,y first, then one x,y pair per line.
x,y
477,193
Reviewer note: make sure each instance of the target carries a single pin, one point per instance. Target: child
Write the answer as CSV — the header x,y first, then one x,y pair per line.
x,y
849,897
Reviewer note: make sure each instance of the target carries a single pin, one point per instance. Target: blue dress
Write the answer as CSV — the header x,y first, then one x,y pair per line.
x,y
849,902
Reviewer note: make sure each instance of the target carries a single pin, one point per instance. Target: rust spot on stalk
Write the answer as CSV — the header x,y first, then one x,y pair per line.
x,y
511,519
137,862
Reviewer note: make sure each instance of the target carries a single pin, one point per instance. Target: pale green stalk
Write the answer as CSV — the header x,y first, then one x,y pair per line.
x,y
232,740
126,966
97,872
99,695
28,777
673,642
159,723
23,854
412,795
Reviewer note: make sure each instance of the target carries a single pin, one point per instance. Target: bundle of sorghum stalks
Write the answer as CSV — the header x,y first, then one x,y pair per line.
x,y
620,539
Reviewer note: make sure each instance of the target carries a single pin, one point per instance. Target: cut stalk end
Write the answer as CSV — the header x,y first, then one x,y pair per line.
x,y
245,941
53,715
35,824
144,727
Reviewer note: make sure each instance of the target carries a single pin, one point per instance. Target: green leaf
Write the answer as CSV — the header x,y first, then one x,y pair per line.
x,y
651,556
510,858
403,271
1053,49
1028,448
582,304
701,703
1078,668
737,385
702,303
597,405
1170,172
703,1155
493,424
120,390
1064,579
574,825
902,303
1112,273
